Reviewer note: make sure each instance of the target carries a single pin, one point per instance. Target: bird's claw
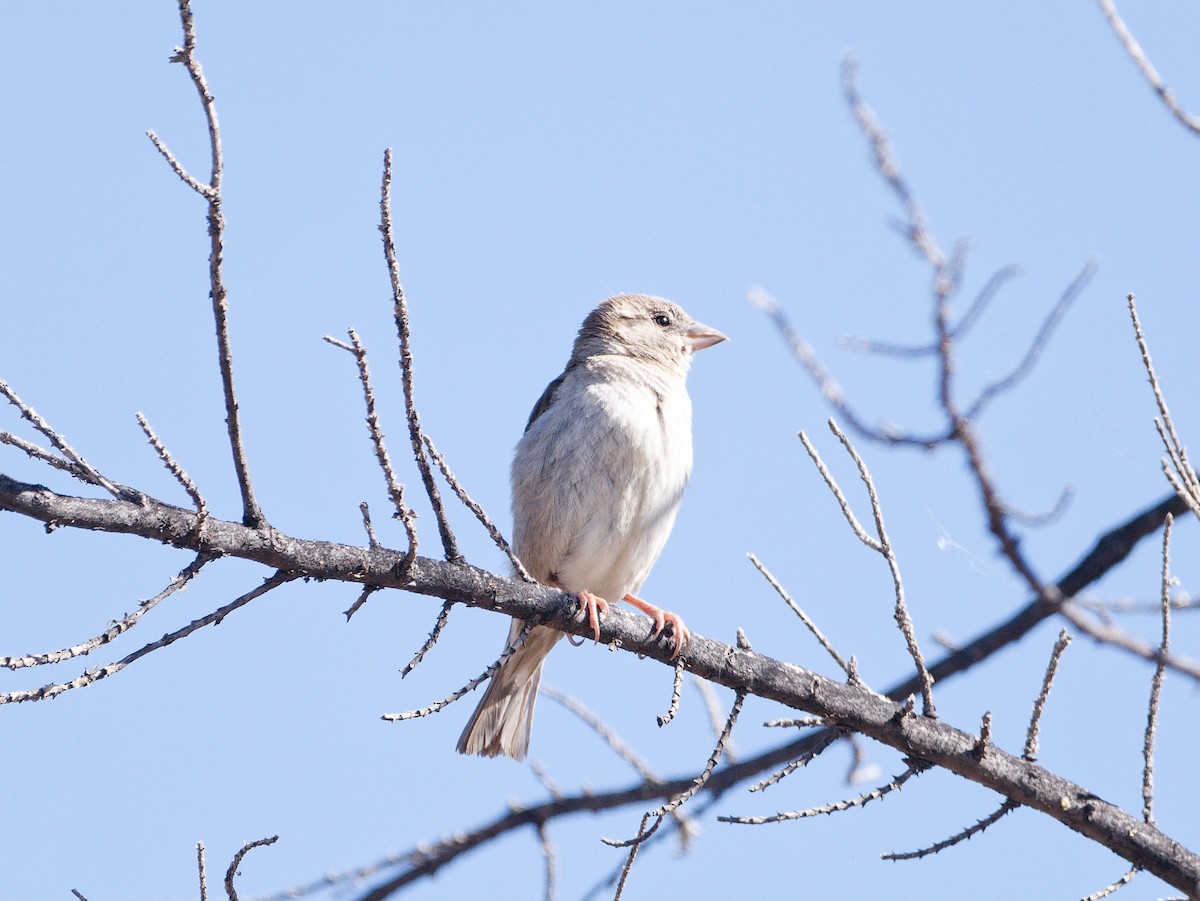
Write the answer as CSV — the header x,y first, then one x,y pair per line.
x,y
595,608
661,619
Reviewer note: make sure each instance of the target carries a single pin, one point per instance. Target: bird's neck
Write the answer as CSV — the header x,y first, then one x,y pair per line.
x,y
664,376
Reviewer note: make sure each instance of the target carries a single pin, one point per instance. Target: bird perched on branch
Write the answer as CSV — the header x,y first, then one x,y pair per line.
x,y
596,481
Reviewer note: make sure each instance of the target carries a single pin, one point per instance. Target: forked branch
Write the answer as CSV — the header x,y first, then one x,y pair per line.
x,y
252,514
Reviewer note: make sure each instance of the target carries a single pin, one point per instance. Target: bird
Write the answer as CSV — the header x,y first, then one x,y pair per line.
x,y
597,479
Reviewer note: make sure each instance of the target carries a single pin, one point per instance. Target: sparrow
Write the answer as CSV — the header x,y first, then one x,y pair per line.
x,y
596,482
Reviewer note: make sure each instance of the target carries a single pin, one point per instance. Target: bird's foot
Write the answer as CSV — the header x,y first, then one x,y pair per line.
x,y
595,608
662,618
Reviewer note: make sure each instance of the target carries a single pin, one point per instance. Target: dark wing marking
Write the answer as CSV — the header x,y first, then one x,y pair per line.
x,y
544,402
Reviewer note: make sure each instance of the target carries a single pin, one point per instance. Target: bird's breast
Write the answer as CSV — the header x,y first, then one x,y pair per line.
x,y
597,480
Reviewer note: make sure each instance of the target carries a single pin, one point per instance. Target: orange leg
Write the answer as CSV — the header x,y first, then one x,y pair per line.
x,y
661,619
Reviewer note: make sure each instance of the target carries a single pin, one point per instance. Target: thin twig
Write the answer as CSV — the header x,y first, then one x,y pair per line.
x,y
548,856
959,331
1109,634
635,843
115,628
365,510
403,331
97,673
985,734
859,770
712,705
684,828
82,470
252,514
547,781
1184,479
607,735
436,633
1046,517
1157,681
395,490
614,741
824,740
1036,346
188,179
1039,705
1182,601
831,483
1134,49
470,686
967,833
830,389
40,453
804,722
1113,886
367,591
918,230
629,859
884,547
237,862
676,694
683,797
479,512
804,618
200,867
862,800
176,470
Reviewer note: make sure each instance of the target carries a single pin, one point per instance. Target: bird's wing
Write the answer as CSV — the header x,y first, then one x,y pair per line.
x,y
547,398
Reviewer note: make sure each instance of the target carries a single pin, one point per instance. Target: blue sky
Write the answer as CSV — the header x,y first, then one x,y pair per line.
x,y
547,156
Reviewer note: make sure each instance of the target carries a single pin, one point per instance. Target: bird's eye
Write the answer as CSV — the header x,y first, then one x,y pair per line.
x,y
662,319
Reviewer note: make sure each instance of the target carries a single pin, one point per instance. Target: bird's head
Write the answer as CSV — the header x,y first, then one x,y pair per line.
x,y
645,328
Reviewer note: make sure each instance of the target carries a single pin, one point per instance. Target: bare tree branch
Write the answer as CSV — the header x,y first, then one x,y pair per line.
x,y
676,694
847,706
78,467
973,830
404,334
439,624
174,468
1036,346
480,513
1114,636
200,869
917,229
881,545
1179,471
826,736
1157,681
787,598
1114,886
604,731
95,674
252,514
1134,49
115,628
1035,719
836,807
395,490
469,687
237,862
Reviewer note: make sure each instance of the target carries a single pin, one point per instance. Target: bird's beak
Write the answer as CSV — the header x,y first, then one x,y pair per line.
x,y
701,336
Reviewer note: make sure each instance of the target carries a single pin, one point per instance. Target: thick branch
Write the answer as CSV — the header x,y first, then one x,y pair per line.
x,y
742,670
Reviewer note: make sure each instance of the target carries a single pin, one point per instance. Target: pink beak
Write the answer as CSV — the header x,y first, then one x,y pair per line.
x,y
701,336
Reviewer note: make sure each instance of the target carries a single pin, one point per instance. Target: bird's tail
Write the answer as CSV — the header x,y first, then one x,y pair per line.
x,y
502,722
